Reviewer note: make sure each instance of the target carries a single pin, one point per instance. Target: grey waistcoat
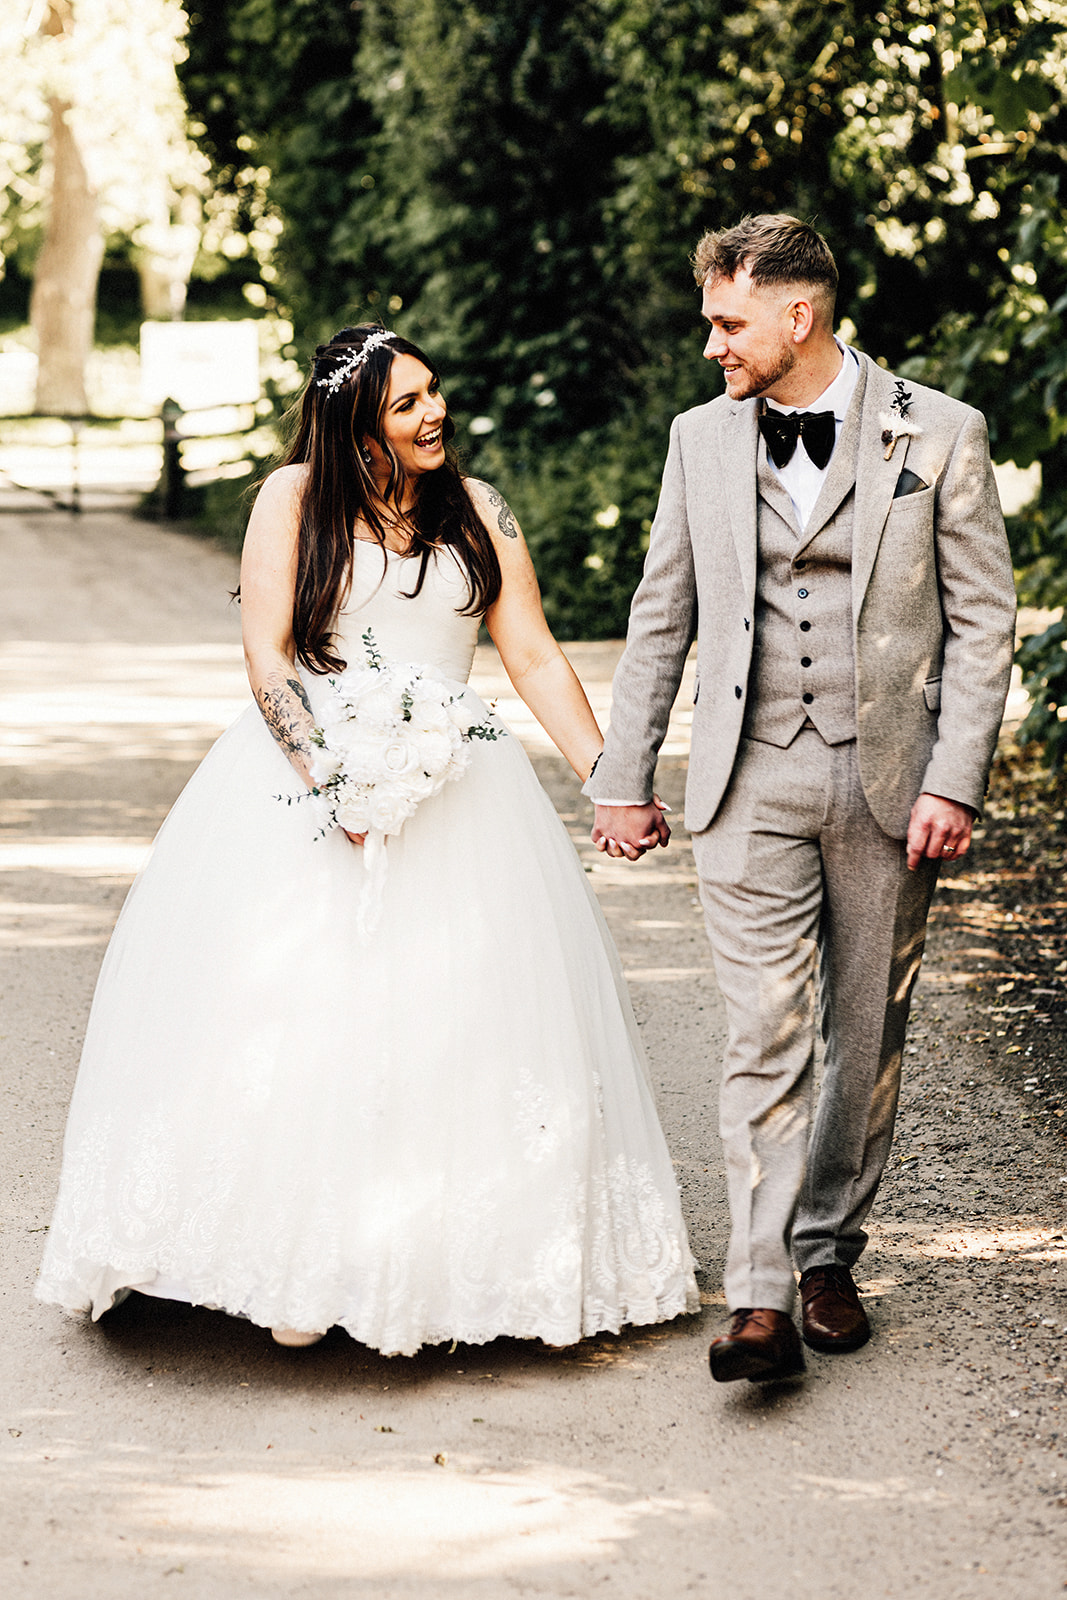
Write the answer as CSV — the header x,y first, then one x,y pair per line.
x,y
802,663
803,643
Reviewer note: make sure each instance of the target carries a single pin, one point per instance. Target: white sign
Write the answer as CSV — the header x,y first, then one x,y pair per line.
x,y
199,364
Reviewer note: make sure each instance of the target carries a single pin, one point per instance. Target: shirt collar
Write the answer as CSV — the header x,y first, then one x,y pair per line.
x,y
837,395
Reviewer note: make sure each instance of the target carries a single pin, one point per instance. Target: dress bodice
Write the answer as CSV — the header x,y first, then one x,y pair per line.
x,y
428,628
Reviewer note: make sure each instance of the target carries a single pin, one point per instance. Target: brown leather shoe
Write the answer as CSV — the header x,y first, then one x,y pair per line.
x,y
761,1346
833,1318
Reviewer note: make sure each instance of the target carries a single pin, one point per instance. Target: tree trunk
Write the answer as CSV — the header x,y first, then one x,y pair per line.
x,y
63,301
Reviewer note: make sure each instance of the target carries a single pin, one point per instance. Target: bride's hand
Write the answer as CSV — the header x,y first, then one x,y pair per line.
x,y
356,838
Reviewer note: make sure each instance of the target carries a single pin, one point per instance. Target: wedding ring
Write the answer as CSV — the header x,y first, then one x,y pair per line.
x,y
948,850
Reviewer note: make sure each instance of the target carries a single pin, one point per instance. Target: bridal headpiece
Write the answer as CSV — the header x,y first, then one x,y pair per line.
x,y
354,360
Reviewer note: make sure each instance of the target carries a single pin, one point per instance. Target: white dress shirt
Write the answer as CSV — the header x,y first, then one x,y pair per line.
x,y
801,478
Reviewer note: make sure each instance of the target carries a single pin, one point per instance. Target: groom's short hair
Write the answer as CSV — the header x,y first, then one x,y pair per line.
x,y
772,249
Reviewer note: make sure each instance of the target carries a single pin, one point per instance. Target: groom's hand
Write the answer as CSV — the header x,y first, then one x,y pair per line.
x,y
630,830
939,829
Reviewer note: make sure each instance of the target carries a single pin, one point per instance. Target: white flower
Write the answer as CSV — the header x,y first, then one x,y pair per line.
x,y
352,687
401,757
326,765
461,716
389,737
377,707
898,427
435,751
429,717
388,809
352,814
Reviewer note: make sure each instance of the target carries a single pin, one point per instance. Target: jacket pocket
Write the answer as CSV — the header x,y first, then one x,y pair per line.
x,y
932,694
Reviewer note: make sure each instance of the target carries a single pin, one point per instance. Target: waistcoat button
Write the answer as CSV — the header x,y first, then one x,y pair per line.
x,y
802,594
807,698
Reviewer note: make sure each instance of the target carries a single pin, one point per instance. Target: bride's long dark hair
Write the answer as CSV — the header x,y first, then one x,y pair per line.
x,y
331,425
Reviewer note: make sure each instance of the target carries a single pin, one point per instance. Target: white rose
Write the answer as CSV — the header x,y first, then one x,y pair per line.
x,y
435,751
352,814
366,760
380,708
400,757
388,810
429,716
416,786
348,690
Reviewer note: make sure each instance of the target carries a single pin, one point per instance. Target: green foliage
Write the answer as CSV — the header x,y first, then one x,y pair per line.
x,y
518,187
1007,354
1043,659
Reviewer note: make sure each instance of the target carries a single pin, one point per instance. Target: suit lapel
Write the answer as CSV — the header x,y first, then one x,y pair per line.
x,y
841,477
773,490
876,478
738,438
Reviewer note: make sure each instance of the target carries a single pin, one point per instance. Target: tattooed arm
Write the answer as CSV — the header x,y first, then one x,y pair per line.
x,y
498,507
268,587
287,712
532,659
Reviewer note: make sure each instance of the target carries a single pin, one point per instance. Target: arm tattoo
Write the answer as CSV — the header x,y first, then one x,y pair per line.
x,y
505,519
282,716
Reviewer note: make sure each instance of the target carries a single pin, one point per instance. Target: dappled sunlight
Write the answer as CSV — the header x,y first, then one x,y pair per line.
x,y
27,925
613,873
89,743
64,704
902,1491
76,856
990,1242
47,686
459,1519
667,974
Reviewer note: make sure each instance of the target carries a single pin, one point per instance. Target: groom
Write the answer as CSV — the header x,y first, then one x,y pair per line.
x,y
835,537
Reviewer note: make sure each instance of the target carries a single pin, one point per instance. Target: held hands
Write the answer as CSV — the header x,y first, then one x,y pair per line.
x,y
939,829
630,830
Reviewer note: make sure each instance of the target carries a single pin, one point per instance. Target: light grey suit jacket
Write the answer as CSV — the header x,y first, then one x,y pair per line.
x,y
933,605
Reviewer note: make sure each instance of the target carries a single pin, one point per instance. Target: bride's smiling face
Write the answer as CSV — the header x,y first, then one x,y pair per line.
x,y
413,418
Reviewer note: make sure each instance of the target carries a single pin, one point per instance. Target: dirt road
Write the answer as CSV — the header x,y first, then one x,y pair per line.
x,y
174,1451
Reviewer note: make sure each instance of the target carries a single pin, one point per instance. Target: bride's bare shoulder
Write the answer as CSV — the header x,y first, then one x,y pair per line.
x,y
284,483
275,517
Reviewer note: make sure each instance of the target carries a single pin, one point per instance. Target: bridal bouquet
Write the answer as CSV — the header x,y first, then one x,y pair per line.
x,y
392,735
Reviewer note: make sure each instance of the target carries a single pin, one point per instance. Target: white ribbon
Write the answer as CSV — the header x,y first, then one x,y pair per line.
x,y
376,864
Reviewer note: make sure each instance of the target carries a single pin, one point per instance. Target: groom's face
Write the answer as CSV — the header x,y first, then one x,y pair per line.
x,y
751,334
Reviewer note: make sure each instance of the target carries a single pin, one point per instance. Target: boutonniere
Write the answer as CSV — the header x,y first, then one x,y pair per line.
x,y
895,422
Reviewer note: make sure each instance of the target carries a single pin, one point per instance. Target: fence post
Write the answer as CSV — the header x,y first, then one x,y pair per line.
x,y
172,481
75,477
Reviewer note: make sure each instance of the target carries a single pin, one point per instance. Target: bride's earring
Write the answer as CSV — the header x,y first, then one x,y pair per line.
x,y
367,457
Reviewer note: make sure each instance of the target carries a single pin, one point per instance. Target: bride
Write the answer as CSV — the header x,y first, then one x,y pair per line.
x,y
442,1130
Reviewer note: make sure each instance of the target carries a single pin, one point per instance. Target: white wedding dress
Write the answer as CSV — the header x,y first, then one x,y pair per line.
x,y
442,1132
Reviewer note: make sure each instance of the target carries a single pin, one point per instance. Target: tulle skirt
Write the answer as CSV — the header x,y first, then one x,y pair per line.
x,y
443,1131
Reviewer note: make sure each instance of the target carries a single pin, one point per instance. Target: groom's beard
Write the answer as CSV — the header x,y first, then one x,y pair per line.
x,y
761,373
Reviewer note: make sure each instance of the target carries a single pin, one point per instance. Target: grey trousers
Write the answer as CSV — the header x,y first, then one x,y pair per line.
x,y
800,884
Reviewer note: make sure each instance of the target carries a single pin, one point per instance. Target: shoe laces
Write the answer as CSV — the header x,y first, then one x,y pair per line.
x,y
834,1276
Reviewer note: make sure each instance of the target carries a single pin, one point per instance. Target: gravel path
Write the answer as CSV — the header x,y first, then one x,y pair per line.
x,y
174,1451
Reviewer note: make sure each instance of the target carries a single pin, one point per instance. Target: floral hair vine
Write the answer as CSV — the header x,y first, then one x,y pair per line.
x,y
895,422
354,360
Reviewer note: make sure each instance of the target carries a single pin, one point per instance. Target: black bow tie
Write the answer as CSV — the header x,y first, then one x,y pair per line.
x,y
817,429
